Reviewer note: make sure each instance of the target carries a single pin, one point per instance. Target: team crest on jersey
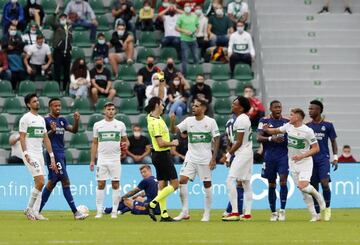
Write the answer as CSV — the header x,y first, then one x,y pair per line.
x,y
62,123
323,128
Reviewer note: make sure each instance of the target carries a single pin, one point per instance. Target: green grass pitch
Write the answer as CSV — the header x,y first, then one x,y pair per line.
x,y
344,228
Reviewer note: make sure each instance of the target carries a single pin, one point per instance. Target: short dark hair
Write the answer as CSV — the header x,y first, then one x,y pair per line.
x,y
145,166
101,34
346,147
28,98
249,86
136,125
40,36
318,103
274,102
202,102
150,56
299,112
201,75
152,104
244,102
240,21
52,100
109,104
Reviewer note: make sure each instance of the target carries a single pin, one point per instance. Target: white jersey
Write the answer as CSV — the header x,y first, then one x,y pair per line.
x,y
241,44
34,127
108,134
242,124
299,140
200,135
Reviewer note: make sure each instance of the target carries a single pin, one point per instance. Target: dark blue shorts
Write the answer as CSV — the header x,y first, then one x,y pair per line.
x,y
139,209
61,165
321,170
273,167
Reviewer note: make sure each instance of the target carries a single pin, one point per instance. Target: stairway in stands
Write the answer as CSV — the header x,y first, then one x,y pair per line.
x,y
309,56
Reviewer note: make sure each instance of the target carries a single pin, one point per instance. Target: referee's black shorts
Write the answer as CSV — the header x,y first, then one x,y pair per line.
x,y
165,169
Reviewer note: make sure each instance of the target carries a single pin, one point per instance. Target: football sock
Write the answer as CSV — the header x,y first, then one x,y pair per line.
x,y
44,197
207,200
109,210
316,205
283,195
272,198
184,198
37,204
229,208
312,191
309,203
240,197
232,195
163,208
99,200
33,196
327,195
162,195
69,198
247,196
115,199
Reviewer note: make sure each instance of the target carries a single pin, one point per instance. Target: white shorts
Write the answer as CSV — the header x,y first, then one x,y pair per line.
x,y
37,167
106,171
241,167
190,170
301,171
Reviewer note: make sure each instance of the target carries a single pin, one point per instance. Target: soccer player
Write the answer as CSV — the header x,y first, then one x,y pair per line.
x,y
148,188
106,146
241,165
56,126
161,158
321,171
275,159
203,135
32,131
302,145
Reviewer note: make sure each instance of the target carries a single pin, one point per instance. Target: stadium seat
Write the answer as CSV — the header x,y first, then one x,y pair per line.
x,y
222,106
124,90
16,122
4,141
77,53
98,7
126,120
64,106
103,23
243,72
51,89
129,106
83,106
108,35
148,40
81,39
69,157
49,6
143,53
167,52
79,141
43,108
143,123
239,89
70,119
220,72
84,157
92,120
127,73
221,121
6,89
99,106
220,89
4,127
138,4
193,70
13,106
26,87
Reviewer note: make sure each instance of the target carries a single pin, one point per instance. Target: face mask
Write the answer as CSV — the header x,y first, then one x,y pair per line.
x,y
32,1
98,66
38,46
156,82
150,65
170,65
238,1
78,1
187,10
137,134
240,29
63,22
165,5
32,31
12,33
198,12
14,1
147,8
219,12
346,155
176,82
101,41
120,33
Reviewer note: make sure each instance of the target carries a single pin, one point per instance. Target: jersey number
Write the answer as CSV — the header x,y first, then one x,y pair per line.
x,y
58,164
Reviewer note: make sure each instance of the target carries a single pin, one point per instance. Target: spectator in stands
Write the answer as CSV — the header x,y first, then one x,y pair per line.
x,y
79,13
192,3
101,83
123,42
179,152
79,79
238,11
211,10
257,110
123,11
325,9
188,25
38,59
241,48
171,36
34,12
5,73
16,151
13,46
178,96
139,149
13,14
30,34
202,35
200,90
159,25
170,71
220,27
62,47
101,48
157,88
346,156
144,79
146,16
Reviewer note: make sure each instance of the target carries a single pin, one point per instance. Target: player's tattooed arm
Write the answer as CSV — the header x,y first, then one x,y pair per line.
x,y
131,193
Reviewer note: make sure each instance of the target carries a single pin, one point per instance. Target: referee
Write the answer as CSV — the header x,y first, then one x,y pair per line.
x,y
165,169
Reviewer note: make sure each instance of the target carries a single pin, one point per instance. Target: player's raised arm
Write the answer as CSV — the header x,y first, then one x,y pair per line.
x,y
271,131
74,128
174,129
94,147
48,147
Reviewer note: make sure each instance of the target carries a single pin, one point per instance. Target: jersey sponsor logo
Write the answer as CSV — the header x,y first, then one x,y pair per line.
x,y
35,132
241,47
109,136
199,137
320,136
296,142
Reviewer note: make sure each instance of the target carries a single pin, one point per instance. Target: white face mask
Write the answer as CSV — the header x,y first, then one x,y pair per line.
x,y
346,155
63,22
120,33
165,5
14,1
137,134
12,33
198,12
156,82
32,1
147,7
101,41
240,29
219,12
32,31
187,10
38,46
238,1
176,82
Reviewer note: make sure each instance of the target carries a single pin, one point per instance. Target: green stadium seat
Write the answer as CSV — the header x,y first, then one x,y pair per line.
x,y
239,89
222,106
127,73
84,157
143,123
49,6
16,122
4,141
221,121
51,89
103,23
13,106
83,106
167,120
138,4
6,89
220,89
108,35
4,126
79,141
126,120
70,119
92,120
143,53
124,90
77,53
129,106
81,39
193,71
26,87
98,7
43,108
220,72
148,40
243,72
168,52
69,157
64,106
99,106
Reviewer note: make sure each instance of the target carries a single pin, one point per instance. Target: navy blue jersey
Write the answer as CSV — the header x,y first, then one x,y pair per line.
x,y
229,127
57,138
323,131
273,150
150,186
